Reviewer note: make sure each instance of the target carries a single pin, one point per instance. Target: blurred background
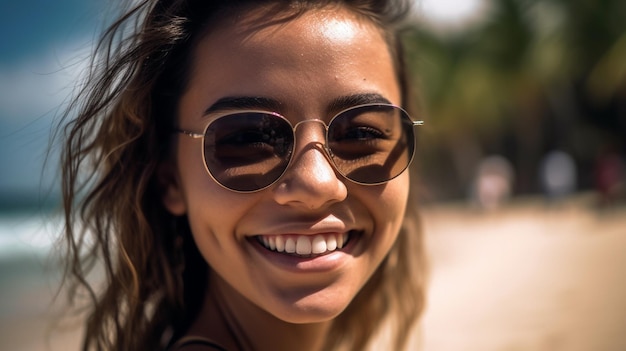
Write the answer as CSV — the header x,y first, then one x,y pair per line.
x,y
539,85
521,166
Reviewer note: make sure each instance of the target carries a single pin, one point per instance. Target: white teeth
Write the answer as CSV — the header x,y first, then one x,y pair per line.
x,y
272,243
304,244
318,245
280,244
331,243
290,245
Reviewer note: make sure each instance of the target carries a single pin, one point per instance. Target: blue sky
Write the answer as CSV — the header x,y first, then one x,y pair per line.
x,y
44,45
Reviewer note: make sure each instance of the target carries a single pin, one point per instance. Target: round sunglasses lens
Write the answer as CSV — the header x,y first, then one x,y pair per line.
x,y
248,151
371,144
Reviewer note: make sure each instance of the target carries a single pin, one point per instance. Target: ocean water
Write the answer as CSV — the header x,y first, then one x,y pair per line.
x,y
27,234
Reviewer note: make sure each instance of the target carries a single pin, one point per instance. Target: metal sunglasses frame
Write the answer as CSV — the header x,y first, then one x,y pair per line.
x,y
327,151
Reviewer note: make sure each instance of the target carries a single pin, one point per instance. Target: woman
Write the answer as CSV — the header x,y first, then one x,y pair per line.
x,y
248,188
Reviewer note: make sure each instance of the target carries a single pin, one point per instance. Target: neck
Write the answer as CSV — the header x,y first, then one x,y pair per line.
x,y
237,324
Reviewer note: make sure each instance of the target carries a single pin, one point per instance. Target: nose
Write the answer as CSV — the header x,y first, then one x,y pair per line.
x,y
311,181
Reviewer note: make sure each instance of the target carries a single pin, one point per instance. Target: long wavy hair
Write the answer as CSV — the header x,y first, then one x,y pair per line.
x,y
117,132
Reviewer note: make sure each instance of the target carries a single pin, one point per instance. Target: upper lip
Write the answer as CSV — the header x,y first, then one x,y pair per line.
x,y
328,224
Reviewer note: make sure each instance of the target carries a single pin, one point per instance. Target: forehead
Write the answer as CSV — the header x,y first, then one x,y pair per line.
x,y
258,25
302,59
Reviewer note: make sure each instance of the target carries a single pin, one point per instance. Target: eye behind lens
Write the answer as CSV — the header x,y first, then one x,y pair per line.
x,y
371,144
248,151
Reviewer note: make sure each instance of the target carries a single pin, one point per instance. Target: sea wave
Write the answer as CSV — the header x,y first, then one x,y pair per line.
x,y
28,234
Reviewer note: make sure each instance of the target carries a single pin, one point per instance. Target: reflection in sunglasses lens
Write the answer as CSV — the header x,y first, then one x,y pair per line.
x,y
248,151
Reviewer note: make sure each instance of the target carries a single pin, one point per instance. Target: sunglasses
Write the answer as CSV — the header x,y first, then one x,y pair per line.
x,y
247,151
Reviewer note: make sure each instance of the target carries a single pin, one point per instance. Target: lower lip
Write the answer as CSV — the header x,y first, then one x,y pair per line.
x,y
316,264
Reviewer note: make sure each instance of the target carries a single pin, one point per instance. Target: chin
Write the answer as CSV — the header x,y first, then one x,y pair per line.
x,y
315,308
310,316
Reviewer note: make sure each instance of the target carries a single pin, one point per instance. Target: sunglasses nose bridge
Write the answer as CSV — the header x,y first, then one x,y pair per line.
x,y
295,127
311,137
316,141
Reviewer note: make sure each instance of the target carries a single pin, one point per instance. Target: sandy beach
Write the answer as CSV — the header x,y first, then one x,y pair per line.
x,y
530,276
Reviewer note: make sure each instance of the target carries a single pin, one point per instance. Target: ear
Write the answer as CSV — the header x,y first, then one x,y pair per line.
x,y
171,190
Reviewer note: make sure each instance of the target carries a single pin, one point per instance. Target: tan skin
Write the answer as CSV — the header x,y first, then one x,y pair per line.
x,y
306,65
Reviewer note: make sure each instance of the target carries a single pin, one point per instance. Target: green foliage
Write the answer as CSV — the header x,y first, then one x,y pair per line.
x,y
534,75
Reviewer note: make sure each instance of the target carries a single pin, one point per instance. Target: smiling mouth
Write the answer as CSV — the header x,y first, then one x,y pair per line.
x,y
305,245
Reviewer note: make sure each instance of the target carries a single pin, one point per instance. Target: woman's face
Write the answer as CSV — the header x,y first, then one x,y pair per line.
x,y
309,67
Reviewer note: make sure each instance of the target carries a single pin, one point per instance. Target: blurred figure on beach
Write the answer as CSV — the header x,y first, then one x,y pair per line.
x,y
609,178
558,175
493,183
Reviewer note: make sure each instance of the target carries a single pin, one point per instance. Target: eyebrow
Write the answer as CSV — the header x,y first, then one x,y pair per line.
x,y
343,102
269,104
243,103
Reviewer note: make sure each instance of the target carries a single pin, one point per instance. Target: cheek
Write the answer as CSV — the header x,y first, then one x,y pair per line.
x,y
213,212
205,200
393,199
387,208
393,203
